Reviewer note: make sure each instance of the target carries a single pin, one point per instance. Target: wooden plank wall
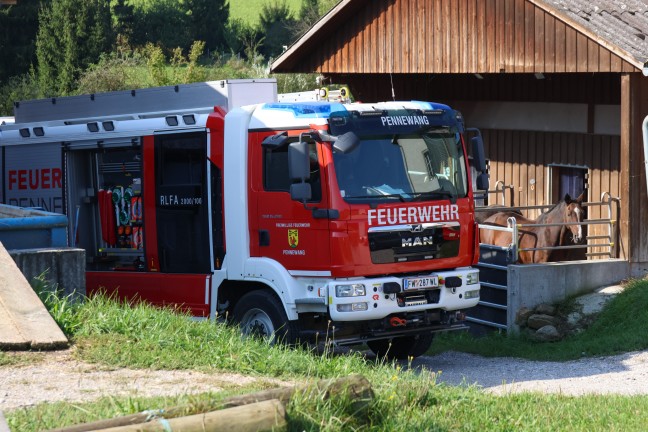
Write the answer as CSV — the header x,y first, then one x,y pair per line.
x,y
456,36
634,222
516,157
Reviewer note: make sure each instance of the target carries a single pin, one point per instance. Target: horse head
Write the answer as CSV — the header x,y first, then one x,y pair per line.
x,y
574,214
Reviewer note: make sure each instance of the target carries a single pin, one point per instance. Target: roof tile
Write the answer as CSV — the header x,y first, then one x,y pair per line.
x,y
622,23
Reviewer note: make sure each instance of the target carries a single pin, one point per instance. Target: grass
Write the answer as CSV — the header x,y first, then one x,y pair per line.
x,y
406,400
619,328
249,10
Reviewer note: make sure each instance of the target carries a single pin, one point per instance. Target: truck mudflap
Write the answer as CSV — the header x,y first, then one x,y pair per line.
x,y
353,333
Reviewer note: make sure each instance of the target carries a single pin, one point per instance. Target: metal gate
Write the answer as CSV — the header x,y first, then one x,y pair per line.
x,y
491,312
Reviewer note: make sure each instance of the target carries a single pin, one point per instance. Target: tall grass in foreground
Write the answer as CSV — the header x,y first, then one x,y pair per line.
x,y
406,400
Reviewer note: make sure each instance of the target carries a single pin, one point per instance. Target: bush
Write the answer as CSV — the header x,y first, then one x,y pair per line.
x,y
111,73
18,88
277,24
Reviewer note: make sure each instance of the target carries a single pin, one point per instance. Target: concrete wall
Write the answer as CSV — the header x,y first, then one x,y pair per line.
x,y
64,268
532,284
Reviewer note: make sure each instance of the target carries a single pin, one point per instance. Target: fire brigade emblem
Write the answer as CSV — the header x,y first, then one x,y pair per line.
x,y
293,238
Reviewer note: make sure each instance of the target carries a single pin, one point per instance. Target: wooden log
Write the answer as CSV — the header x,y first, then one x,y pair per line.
x,y
355,387
261,416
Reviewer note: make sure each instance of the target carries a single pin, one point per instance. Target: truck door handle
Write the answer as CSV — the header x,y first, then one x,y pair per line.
x,y
264,238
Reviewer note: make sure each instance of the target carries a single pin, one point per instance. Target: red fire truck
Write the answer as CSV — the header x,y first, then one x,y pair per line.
x,y
346,222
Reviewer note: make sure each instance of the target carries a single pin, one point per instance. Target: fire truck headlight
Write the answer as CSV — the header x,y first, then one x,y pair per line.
x,y
353,307
352,290
471,294
472,278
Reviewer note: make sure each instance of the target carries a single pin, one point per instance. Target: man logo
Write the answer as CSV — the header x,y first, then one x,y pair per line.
x,y
417,241
293,238
416,228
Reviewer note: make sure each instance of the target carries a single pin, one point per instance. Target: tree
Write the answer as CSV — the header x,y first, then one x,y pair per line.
x,y
277,24
162,23
123,23
308,15
72,35
178,24
18,29
242,38
207,20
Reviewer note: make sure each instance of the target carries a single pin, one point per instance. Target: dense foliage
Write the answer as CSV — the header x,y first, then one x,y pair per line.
x,y
67,47
72,34
18,28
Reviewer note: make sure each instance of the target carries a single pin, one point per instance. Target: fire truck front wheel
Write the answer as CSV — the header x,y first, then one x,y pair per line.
x,y
261,314
401,348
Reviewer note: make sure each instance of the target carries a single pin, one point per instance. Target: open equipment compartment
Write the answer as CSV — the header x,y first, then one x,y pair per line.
x,y
105,190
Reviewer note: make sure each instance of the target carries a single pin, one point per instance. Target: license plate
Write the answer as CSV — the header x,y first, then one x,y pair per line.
x,y
420,283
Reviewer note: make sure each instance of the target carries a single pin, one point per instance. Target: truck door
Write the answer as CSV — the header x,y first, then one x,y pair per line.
x,y
183,234
288,232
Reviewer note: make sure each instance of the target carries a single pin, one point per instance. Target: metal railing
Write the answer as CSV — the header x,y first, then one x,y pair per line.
x,y
608,202
492,309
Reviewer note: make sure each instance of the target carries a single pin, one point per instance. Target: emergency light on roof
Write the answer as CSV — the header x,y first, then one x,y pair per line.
x,y
39,131
432,106
307,110
172,120
93,127
108,126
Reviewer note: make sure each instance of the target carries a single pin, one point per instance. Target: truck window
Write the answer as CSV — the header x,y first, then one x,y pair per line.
x,y
275,171
384,168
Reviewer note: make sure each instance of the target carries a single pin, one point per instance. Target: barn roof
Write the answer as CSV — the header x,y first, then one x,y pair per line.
x,y
622,23
619,26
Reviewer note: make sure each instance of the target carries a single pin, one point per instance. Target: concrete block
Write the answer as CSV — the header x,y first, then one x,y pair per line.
x,y
63,268
533,284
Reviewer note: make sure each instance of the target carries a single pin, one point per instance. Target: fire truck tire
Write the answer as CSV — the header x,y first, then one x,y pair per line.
x,y
401,348
261,314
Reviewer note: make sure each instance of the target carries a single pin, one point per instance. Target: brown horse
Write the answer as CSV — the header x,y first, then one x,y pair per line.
x,y
567,211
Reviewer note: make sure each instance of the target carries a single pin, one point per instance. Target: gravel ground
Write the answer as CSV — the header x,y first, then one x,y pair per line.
x,y
625,374
57,376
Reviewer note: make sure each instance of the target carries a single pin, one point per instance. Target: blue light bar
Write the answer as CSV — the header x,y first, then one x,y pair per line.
x,y
307,109
431,105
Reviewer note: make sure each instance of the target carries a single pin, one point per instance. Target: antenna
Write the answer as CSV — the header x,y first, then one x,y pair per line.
x,y
392,87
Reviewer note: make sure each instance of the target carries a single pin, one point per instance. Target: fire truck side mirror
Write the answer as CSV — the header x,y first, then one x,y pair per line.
x,y
346,142
478,152
299,170
298,161
482,181
300,192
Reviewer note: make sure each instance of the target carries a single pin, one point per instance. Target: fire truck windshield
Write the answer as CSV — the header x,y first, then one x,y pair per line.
x,y
410,167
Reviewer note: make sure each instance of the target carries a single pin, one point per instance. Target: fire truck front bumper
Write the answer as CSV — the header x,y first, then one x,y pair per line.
x,y
377,298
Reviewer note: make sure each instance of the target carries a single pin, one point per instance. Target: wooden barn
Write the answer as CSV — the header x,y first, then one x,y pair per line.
x,y
556,86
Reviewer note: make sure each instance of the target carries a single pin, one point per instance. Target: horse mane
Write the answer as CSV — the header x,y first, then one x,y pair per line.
x,y
545,215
